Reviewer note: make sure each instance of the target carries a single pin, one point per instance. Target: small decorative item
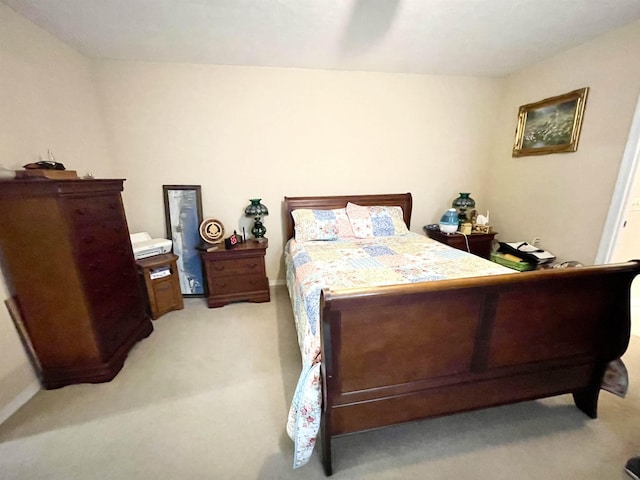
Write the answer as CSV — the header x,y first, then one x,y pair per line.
x,y
482,224
49,164
257,210
449,221
211,230
232,241
46,169
212,234
462,204
551,125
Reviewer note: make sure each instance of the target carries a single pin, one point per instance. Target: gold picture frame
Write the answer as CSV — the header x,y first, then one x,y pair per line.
x,y
551,125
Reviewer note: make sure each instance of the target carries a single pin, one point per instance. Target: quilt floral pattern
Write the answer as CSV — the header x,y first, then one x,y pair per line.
x,y
353,263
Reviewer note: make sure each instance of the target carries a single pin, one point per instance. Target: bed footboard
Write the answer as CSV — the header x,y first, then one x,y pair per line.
x,y
408,352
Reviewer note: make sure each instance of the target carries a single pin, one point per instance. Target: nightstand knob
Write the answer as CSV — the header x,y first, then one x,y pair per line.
x,y
218,268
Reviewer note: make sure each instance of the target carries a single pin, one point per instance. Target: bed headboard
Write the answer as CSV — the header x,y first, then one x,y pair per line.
x,y
402,200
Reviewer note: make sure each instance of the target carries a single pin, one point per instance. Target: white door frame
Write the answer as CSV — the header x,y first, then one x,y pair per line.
x,y
620,199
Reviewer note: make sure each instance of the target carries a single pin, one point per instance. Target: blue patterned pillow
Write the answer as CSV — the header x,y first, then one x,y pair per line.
x,y
314,225
377,221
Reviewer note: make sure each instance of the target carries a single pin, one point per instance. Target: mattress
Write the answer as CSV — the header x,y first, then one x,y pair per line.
x,y
355,263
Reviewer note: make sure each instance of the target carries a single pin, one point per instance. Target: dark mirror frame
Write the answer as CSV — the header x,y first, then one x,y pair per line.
x,y
183,229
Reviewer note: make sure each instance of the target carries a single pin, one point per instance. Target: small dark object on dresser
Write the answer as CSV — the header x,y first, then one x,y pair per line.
x,y
44,165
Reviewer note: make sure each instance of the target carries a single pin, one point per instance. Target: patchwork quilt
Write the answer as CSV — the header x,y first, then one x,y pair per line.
x,y
355,263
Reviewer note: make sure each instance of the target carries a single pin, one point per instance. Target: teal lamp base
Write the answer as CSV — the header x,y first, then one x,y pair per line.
x,y
258,230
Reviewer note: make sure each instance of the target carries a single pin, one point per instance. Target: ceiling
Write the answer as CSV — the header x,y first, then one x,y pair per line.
x,y
449,37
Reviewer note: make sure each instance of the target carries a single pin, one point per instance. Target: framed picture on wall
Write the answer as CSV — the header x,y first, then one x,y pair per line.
x,y
551,125
183,215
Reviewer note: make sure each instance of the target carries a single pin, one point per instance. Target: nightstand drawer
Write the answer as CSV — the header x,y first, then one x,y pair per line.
x,y
244,283
477,243
239,266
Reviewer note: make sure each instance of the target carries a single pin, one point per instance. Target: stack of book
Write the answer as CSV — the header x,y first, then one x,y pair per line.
x,y
511,261
160,272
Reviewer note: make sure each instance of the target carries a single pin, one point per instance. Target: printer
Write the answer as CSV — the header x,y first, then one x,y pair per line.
x,y
144,246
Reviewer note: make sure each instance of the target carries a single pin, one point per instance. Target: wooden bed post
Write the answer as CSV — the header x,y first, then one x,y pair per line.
x,y
619,322
328,385
587,401
325,441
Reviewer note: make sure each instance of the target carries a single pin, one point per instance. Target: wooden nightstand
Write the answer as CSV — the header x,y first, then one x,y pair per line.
x,y
161,282
479,243
237,274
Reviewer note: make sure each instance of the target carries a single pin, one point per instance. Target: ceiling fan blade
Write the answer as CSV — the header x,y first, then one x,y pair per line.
x,y
369,23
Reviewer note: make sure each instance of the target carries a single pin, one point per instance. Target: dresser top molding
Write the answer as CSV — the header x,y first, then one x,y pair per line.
x,y
59,188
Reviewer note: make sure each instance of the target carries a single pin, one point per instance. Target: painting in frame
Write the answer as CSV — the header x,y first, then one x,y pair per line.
x,y
183,216
551,125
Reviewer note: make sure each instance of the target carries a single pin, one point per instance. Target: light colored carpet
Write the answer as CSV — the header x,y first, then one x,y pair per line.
x,y
206,397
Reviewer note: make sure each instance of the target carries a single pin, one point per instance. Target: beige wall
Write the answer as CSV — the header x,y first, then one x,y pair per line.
x,y
246,132
564,198
47,101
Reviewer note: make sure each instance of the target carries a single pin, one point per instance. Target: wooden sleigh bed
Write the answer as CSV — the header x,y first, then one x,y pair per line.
x,y
441,347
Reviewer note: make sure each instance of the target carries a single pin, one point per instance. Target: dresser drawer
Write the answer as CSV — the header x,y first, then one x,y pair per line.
x,y
107,279
238,266
91,210
103,237
116,318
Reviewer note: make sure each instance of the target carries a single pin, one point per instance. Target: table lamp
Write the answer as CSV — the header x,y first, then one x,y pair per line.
x,y
257,210
462,204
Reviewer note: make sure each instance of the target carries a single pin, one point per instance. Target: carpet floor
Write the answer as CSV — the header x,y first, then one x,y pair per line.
x,y
206,397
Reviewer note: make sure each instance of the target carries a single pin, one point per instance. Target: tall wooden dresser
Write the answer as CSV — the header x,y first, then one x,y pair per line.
x,y
67,257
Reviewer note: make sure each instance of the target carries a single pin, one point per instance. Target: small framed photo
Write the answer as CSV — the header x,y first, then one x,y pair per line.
x,y
551,125
183,216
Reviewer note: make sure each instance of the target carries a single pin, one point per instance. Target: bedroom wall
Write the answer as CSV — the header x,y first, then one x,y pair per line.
x,y
246,132
564,198
47,101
